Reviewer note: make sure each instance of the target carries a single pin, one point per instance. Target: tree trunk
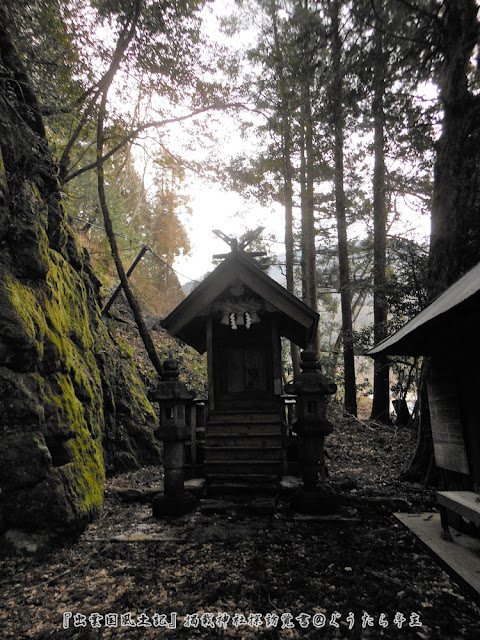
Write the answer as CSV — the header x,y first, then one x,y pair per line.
x,y
344,268
289,248
308,261
381,382
122,45
132,301
455,239
287,173
309,228
421,466
102,86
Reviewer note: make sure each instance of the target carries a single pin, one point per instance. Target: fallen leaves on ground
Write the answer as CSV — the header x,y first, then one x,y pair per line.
x,y
364,576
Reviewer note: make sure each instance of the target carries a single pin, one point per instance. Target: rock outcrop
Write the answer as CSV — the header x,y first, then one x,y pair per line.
x,y
71,403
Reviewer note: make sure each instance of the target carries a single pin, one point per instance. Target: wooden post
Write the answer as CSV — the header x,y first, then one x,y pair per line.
x,y
210,365
193,436
106,308
277,360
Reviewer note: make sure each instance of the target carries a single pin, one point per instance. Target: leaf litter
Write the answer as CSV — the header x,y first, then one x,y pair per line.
x,y
200,567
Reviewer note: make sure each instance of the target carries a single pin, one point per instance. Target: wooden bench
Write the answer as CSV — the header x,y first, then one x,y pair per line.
x,y
464,503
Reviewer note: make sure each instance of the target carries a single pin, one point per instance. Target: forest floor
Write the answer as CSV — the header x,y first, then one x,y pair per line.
x,y
365,573
368,568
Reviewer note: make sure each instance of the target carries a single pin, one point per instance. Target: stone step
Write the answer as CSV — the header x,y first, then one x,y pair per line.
x,y
240,489
252,480
232,485
242,428
254,440
243,490
242,453
249,504
243,467
244,417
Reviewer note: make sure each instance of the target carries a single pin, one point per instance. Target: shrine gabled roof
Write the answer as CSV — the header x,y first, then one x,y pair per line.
x,y
297,321
440,324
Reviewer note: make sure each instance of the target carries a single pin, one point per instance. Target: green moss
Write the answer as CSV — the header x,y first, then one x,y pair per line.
x,y
71,342
66,305
29,233
56,357
22,322
21,307
125,347
130,420
53,322
83,477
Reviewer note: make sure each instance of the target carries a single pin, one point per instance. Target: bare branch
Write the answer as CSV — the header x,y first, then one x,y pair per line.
x,y
149,125
103,85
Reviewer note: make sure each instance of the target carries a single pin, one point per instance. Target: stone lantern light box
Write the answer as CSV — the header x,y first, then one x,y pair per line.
x,y
172,397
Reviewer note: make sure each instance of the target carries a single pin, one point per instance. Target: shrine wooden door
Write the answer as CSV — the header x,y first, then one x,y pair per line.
x,y
243,368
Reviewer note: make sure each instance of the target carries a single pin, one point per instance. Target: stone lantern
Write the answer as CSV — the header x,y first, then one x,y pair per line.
x,y
173,398
312,389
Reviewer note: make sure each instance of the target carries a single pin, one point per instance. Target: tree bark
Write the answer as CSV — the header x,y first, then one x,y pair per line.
x,y
309,264
455,238
421,463
114,295
287,173
289,248
344,268
381,382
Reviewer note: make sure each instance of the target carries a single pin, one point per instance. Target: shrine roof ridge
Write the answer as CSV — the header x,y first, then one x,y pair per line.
x,y
302,320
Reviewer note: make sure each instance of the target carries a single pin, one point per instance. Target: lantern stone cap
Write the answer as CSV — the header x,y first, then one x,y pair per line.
x,y
168,390
170,368
169,387
311,380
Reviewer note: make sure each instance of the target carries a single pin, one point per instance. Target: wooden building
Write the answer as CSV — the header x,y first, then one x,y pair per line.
x,y
238,315
448,332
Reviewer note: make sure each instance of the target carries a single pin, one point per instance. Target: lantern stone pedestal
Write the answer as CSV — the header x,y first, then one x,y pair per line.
x,y
173,397
312,389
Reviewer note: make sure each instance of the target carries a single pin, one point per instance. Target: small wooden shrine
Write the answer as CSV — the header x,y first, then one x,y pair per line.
x,y
447,332
238,315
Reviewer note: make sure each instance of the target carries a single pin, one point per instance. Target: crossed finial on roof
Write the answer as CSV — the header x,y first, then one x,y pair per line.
x,y
235,245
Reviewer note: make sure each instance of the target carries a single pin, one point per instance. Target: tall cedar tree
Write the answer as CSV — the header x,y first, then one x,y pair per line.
x,y
307,51
381,385
338,121
288,170
455,241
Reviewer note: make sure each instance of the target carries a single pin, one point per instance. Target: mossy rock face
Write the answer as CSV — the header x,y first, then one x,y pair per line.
x,y
130,422
52,459
71,401
4,213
